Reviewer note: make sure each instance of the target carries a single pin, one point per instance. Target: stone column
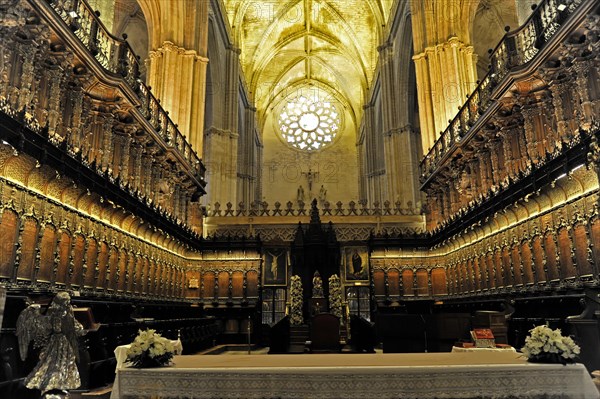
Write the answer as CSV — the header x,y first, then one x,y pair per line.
x,y
221,157
400,140
248,169
446,74
178,78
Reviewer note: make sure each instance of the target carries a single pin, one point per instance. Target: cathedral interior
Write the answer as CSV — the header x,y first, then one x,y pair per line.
x,y
173,164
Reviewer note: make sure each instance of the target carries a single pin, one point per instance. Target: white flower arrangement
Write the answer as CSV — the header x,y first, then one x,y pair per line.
x,y
549,346
150,349
296,317
335,296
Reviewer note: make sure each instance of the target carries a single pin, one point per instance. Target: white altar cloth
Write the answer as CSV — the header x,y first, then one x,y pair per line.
x,y
459,349
358,376
121,357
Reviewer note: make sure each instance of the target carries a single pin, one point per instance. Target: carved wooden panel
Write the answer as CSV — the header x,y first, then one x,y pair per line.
x,y
78,258
168,281
192,288
131,268
8,241
566,261
596,239
139,274
91,258
102,265
527,259
28,248
498,268
164,288
252,284
64,255
47,246
454,279
582,250
507,280
145,279
469,274
408,282
177,282
393,277
423,283
485,279
516,265
461,283
551,259
476,274
538,258
491,270
123,261
224,285
379,282
237,281
113,270
438,281
152,283
208,284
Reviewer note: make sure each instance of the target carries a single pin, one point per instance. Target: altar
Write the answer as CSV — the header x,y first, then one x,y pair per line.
x,y
358,376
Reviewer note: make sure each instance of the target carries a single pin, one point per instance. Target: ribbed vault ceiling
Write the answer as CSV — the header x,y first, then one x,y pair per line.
x,y
291,45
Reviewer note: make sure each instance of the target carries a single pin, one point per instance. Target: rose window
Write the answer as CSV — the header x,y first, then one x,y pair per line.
x,y
309,123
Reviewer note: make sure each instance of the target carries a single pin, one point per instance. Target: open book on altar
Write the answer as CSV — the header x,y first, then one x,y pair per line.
x,y
483,338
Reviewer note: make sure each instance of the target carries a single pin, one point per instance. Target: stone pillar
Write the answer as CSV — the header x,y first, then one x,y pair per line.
x,y
221,162
221,157
372,164
401,149
400,140
248,167
178,78
446,74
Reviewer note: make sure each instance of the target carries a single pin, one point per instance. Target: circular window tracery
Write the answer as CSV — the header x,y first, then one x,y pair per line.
x,y
309,124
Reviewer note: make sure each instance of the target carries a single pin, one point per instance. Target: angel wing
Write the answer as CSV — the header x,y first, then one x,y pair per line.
x,y
31,325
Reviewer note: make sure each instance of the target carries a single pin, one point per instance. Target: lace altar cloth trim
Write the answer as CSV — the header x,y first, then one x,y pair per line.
x,y
458,382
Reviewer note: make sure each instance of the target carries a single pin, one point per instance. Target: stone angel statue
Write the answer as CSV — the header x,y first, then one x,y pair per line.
x,y
55,334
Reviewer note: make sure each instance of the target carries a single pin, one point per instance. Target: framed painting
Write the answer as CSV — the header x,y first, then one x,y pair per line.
x,y
356,263
275,265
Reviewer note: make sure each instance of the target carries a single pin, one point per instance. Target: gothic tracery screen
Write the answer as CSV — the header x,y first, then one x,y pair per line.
x,y
308,122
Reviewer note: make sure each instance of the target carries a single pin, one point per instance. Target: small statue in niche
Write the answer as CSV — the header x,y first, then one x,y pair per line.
x,y
55,333
322,194
300,194
317,291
